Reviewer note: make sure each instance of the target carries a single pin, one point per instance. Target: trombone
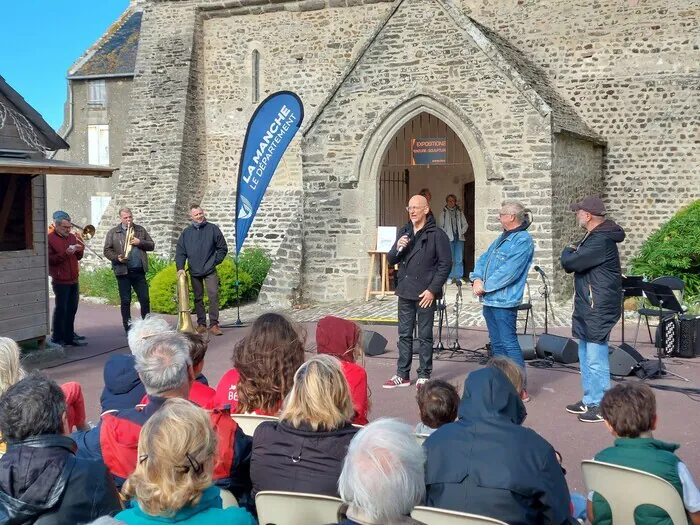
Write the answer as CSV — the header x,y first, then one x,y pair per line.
x,y
88,232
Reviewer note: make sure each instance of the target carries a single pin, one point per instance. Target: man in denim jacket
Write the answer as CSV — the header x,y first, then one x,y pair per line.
x,y
499,279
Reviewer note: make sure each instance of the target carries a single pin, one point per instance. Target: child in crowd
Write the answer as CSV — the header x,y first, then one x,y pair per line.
x,y
438,402
629,412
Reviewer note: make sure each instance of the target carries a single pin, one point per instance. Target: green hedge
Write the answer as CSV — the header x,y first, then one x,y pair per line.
x,y
674,250
256,263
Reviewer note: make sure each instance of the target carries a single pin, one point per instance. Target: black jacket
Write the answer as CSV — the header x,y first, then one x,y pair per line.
x,y
42,482
425,263
204,248
487,463
598,282
298,459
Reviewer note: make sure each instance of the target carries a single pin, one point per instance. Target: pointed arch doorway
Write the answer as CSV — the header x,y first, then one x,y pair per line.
x,y
405,171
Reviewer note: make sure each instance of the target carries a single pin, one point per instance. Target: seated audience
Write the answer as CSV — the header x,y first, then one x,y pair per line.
x,y
264,363
438,402
341,338
11,371
487,463
200,393
382,476
41,480
629,412
165,368
172,482
304,451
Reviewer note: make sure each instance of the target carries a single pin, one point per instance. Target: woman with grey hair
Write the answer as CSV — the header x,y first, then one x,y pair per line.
x,y
383,475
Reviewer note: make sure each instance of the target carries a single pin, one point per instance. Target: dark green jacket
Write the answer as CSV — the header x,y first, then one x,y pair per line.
x,y
647,454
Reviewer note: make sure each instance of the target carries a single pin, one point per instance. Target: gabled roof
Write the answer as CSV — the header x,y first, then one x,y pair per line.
x,y
114,54
529,79
28,120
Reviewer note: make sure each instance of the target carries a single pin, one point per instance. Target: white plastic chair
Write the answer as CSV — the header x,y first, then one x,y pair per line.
x,y
421,438
291,508
227,499
432,516
625,489
249,422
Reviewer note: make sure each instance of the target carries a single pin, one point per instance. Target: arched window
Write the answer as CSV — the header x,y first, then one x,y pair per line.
x,y
256,76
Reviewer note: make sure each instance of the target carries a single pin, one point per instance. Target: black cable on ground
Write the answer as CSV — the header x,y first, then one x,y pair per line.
x,y
83,358
692,393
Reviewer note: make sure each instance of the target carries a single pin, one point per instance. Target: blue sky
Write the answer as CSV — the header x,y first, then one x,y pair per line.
x,y
41,39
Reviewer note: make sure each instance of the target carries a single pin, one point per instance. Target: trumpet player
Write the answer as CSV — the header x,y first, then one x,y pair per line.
x,y
64,253
126,245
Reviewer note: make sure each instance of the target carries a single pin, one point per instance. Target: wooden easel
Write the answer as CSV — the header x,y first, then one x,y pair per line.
x,y
384,290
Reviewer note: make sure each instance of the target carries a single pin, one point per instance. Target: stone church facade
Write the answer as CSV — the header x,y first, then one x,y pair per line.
x,y
550,100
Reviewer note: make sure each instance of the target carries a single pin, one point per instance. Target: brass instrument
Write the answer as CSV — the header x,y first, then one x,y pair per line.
x,y
127,241
88,232
184,320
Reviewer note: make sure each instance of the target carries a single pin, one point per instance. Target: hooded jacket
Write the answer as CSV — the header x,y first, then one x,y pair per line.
x,y
42,482
595,263
123,388
425,263
487,463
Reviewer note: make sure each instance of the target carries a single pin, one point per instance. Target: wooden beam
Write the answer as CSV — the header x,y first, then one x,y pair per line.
x,y
7,204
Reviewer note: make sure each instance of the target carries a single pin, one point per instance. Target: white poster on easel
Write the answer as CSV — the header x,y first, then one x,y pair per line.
x,y
386,237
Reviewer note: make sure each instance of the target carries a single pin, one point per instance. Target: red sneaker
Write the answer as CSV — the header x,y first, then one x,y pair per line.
x,y
524,397
396,381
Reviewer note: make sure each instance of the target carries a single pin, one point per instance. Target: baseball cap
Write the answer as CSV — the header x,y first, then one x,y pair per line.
x,y
592,205
60,215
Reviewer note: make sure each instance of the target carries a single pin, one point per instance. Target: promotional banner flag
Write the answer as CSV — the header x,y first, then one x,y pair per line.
x,y
270,130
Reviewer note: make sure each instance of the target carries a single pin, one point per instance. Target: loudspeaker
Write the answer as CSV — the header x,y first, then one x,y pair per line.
x,y
527,345
561,349
624,359
373,343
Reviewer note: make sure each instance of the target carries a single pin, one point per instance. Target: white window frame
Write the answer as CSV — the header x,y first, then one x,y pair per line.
x,y
97,92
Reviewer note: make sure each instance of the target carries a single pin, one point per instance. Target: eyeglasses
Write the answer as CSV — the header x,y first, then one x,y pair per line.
x,y
415,208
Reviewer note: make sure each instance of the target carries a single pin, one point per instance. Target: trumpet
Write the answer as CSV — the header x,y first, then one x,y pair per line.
x,y
127,241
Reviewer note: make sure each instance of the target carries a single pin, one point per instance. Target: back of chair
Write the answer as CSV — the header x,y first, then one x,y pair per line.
x,y
421,438
431,516
249,422
625,489
290,508
227,499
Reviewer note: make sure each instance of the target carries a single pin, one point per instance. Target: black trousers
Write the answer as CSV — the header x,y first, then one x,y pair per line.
x,y
67,296
409,312
135,279
211,282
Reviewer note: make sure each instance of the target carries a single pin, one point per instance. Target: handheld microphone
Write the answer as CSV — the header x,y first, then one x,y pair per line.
x,y
404,234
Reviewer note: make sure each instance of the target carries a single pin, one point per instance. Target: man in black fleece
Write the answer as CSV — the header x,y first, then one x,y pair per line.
x,y
595,263
203,246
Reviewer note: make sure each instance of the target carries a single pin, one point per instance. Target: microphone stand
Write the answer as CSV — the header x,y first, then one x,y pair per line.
x,y
458,301
545,294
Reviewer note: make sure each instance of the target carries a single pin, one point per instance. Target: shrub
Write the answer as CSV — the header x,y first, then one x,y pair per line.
x,y
256,263
674,250
163,288
155,265
100,283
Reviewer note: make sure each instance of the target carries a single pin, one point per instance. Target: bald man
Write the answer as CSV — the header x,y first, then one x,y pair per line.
x,y
422,251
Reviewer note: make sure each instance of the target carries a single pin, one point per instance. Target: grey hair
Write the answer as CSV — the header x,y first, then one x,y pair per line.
x,y
163,364
141,332
122,210
10,368
383,471
107,520
516,208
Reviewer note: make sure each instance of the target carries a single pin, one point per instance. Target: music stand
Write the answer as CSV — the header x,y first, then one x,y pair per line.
x,y
631,287
663,298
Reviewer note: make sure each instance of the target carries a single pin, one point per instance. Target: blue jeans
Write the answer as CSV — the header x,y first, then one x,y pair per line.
x,y
502,332
457,248
595,371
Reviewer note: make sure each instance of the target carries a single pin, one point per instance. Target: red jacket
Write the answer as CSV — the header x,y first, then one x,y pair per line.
x,y
357,380
227,393
63,268
200,394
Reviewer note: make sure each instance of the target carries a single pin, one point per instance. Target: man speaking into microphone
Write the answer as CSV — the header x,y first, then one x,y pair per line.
x,y
422,251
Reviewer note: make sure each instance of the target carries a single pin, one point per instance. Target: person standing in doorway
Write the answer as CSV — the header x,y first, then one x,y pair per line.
x,y
130,265
595,263
203,247
454,224
422,252
64,253
499,279
425,192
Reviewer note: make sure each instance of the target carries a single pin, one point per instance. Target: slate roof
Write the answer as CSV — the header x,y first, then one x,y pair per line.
x,y
114,54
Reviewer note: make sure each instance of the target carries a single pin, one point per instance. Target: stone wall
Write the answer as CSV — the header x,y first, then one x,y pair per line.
x,y
631,68
420,50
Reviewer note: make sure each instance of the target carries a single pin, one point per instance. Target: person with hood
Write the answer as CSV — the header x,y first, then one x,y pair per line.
x,y
41,479
487,463
454,224
422,251
203,247
341,339
595,263
499,279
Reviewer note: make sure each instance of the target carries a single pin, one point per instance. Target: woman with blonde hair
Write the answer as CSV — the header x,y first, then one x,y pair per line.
x,y
172,482
304,451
